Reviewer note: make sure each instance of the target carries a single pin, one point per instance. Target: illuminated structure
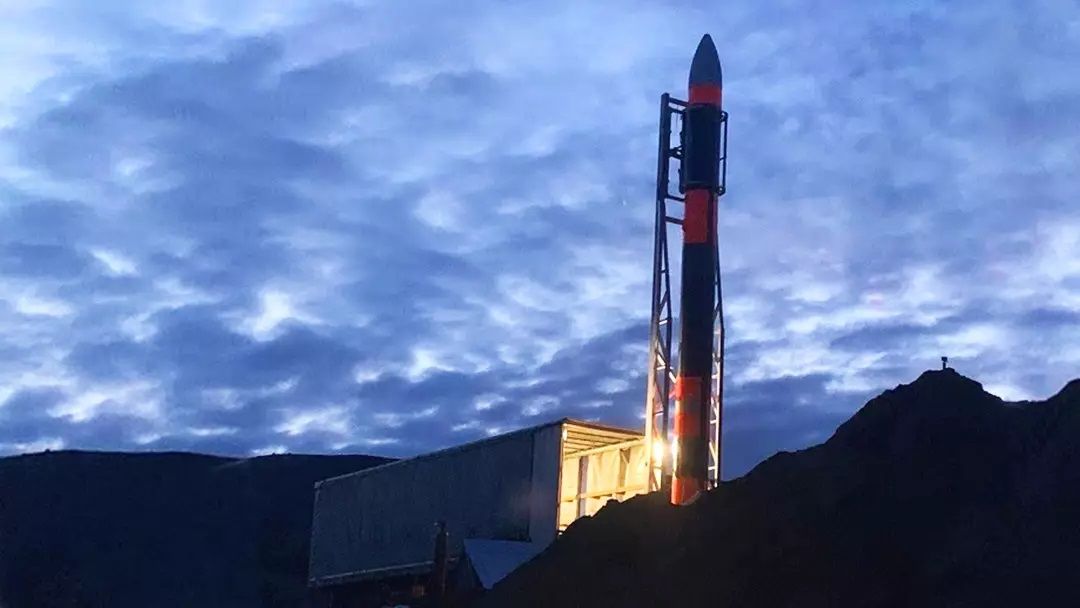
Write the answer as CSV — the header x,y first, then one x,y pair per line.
x,y
497,502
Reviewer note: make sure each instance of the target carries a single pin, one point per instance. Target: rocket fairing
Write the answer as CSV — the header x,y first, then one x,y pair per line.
x,y
699,183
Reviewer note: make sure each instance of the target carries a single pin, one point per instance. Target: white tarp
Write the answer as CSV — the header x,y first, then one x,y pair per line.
x,y
492,560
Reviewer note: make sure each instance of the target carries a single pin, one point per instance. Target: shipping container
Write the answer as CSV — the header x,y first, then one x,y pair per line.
x,y
525,486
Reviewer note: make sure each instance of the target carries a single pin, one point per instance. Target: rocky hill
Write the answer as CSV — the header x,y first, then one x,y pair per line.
x,y
935,493
82,529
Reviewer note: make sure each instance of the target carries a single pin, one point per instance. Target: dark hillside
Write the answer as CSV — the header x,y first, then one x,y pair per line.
x,y
161,529
935,493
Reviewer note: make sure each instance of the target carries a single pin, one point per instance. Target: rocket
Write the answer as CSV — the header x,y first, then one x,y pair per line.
x,y
699,183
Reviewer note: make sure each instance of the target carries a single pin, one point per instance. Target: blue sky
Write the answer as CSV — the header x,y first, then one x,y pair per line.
x,y
385,227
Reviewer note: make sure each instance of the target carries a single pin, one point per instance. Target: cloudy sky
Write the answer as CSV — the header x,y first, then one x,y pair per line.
x,y
390,226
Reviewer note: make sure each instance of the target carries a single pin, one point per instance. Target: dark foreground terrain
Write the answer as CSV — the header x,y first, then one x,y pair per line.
x,y
82,529
935,493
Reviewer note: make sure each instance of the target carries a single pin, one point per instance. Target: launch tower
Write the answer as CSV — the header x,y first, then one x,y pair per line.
x,y
684,441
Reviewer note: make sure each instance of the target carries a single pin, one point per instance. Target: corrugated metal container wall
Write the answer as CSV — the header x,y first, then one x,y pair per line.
x,y
384,517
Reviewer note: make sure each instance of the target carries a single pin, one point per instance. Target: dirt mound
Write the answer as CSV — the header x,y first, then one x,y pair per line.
x,y
934,493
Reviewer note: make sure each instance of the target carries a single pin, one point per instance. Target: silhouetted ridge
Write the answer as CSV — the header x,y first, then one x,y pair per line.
x,y
938,401
935,493
158,529
1070,392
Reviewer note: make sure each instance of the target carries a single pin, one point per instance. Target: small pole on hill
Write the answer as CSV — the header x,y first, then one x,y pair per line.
x,y
944,363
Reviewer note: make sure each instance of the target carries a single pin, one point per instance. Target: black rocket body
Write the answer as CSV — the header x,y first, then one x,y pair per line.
x,y
699,183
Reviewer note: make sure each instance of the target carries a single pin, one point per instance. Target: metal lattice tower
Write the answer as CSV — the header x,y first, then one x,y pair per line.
x,y
662,368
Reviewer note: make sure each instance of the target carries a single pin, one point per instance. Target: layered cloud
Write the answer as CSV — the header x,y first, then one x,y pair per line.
x,y
344,227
